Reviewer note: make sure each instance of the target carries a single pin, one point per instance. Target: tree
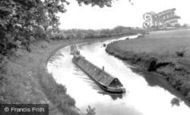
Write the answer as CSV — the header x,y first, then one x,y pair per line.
x,y
20,19
100,3
25,21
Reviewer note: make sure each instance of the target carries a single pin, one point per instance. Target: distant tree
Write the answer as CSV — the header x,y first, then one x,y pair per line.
x,y
185,25
177,25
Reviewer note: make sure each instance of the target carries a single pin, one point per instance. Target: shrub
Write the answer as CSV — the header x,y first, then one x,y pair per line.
x,y
180,53
90,111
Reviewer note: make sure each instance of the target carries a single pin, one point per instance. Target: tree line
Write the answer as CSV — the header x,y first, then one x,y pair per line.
x,y
90,34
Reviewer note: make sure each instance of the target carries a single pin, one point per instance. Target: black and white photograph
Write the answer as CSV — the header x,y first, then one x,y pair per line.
x,y
94,57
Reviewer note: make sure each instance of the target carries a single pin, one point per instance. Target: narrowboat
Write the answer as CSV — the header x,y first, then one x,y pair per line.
x,y
104,80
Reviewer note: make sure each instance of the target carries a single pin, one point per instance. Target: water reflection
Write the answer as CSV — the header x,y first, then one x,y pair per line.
x,y
112,95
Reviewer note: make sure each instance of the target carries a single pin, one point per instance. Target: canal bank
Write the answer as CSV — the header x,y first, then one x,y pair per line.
x,y
27,81
160,59
138,98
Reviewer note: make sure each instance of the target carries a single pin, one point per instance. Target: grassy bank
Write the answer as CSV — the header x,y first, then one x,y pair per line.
x,y
24,78
162,57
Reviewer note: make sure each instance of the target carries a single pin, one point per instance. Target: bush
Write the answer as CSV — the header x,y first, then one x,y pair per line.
x,y
180,53
175,101
152,65
90,111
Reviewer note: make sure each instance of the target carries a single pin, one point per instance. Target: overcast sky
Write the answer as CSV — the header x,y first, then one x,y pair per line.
x,y
122,13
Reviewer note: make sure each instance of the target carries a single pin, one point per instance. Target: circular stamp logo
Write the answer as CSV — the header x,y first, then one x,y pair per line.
x,y
6,109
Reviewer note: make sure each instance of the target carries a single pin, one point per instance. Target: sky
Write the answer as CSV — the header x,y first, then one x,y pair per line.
x,y
122,13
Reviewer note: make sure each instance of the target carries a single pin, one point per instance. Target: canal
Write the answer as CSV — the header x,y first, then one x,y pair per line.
x,y
139,99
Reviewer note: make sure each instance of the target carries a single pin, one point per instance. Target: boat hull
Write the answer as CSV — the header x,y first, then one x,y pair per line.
x,y
102,86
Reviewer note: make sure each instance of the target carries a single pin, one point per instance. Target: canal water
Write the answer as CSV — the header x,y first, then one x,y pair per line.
x,y
139,99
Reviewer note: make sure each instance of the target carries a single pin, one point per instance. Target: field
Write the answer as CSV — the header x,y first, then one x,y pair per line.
x,y
162,43
165,54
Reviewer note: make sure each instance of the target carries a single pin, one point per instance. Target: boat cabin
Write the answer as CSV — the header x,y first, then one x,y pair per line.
x,y
115,83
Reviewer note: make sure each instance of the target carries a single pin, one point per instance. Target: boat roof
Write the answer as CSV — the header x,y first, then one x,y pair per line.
x,y
101,76
107,79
